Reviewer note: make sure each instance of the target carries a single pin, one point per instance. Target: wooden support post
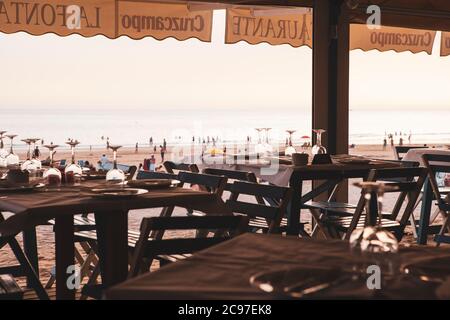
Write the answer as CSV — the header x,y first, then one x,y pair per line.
x,y
331,34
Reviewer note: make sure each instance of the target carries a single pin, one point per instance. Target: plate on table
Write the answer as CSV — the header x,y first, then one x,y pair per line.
x,y
6,186
152,183
114,193
434,269
298,282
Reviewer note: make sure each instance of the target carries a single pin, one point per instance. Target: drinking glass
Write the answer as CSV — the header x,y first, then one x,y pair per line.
x,y
52,175
28,164
267,146
373,242
290,149
12,159
115,174
3,151
73,170
259,148
318,148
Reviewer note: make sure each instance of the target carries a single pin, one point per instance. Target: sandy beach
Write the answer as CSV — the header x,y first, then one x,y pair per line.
x,y
130,156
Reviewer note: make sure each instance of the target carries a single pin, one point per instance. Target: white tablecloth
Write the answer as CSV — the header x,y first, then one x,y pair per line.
x,y
416,154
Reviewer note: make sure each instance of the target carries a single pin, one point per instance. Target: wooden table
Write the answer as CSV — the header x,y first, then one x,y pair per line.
x,y
223,271
111,215
288,175
331,175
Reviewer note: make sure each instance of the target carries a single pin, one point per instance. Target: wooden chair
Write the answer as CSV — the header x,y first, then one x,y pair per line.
x,y
148,248
401,151
439,164
9,289
268,218
333,223
205,182
233,175
24,268
172,167
320,208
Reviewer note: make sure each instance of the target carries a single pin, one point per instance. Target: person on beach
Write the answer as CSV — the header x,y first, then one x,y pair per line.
x,y
154,149
150,141
103,161
164,144
99,166
152,166
384,143
400,142
36,152
136,149
162,151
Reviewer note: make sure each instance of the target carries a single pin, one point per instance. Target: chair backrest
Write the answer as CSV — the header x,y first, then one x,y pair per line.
x,y
406,182
272,213
155,175
400,151
171,167
435,164
206,182
229,226
232,175
131,172
235,175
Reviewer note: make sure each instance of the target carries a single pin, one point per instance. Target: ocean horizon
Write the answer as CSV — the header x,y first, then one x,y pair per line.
x,y
130,125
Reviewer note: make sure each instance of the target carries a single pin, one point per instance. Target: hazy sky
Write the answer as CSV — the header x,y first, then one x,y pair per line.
x,y
52,71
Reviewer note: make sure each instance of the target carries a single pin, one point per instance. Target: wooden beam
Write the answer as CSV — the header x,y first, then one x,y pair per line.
x,y
331,77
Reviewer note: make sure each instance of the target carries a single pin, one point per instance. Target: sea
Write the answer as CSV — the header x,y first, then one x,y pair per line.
x,y
130,125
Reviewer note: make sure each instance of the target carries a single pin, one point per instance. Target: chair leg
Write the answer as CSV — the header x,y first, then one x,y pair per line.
x,y
319,226
50,282
443,230
412,221
419,200
31,273
93,278
436,214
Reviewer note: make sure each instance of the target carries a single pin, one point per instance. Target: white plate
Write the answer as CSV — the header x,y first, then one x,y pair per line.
x,y
114,193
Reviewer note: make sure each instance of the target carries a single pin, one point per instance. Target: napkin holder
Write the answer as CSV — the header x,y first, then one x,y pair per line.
x,y
18,176
321,159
